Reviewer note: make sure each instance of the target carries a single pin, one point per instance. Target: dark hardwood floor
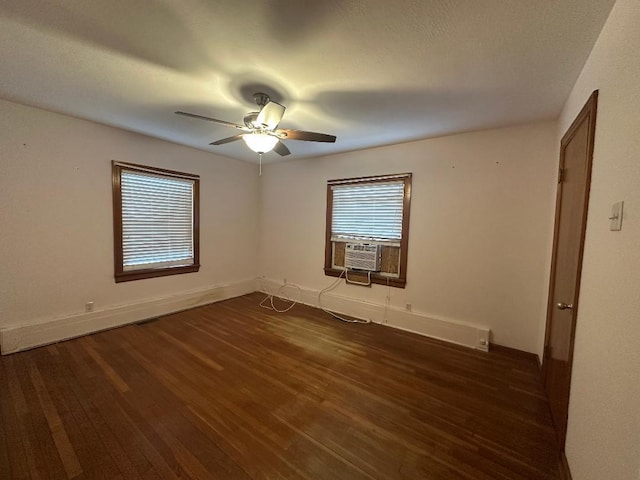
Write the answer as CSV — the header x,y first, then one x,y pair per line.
x,y
234,391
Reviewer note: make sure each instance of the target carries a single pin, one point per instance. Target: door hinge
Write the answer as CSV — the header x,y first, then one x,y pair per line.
x,y
561,175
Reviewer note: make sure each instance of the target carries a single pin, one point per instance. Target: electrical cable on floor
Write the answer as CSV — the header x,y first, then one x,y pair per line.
x,y
267,302
335,315
282,296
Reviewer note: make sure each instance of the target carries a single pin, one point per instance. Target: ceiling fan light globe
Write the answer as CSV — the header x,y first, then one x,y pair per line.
x,y
260,142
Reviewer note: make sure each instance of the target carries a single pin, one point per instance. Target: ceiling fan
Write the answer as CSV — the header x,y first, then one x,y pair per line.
x,y
262,134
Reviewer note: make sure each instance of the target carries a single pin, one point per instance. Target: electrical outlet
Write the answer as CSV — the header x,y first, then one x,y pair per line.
x,y
284,280
88,307
408,307
483,340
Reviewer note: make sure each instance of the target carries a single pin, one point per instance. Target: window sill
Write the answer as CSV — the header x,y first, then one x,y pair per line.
x,y
375,278
154,272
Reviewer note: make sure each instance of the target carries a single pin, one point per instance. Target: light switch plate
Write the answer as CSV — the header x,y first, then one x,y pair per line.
x,y
616,217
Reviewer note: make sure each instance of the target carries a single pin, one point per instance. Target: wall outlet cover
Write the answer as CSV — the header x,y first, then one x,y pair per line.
x,y
615,220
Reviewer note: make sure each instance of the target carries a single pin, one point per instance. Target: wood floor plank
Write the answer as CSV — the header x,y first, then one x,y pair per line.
x,y
254,444
9,436
32,439
92,391
269,435
91,452
237,392
176,430
66,450
5,466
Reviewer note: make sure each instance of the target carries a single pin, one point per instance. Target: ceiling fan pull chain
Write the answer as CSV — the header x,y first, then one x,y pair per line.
x,y
260,164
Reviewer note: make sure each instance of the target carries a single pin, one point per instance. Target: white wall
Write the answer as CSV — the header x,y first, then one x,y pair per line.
x,y
56,240
603,439
478,246
480,233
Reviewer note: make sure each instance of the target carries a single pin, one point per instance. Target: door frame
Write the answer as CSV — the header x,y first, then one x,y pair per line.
x,y
588,112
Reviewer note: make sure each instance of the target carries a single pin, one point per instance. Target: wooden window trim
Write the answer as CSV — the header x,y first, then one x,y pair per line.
x,y
401,280
125,276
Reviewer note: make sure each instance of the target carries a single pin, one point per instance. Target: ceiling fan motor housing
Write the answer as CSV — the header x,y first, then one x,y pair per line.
x,y
261,99
250,119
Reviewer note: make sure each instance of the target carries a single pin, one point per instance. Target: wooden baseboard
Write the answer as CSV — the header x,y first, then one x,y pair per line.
x,y
565,472
514,351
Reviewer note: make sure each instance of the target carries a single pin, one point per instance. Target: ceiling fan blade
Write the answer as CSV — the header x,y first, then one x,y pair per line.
x,y
281,149
227,140
270,115
214,120
305,136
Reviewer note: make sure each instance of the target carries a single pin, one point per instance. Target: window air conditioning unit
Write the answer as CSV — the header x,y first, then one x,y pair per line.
x,y
363,256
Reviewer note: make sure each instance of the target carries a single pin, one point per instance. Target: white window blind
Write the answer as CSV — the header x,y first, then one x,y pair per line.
x,y
368,211
157,221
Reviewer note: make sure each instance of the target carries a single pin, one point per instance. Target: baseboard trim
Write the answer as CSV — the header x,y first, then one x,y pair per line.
x,y
565,472
453,331
22,337
515,352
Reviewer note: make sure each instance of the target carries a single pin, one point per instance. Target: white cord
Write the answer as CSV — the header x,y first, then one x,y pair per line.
x,y
267,302
279,294
335,315
346,278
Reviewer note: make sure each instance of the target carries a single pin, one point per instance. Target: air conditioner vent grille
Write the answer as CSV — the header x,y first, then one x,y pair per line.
x,y
362,256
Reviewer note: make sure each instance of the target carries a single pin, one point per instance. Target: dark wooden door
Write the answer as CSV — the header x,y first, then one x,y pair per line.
x,y
576,153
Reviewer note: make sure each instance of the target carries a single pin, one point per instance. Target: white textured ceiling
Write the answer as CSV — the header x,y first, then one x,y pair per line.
x,y
372,72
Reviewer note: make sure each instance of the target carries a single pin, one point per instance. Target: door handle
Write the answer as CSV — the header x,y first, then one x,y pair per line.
x,y
564,306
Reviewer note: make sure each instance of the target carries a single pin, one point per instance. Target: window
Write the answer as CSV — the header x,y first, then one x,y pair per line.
x,y
371,210
155,222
